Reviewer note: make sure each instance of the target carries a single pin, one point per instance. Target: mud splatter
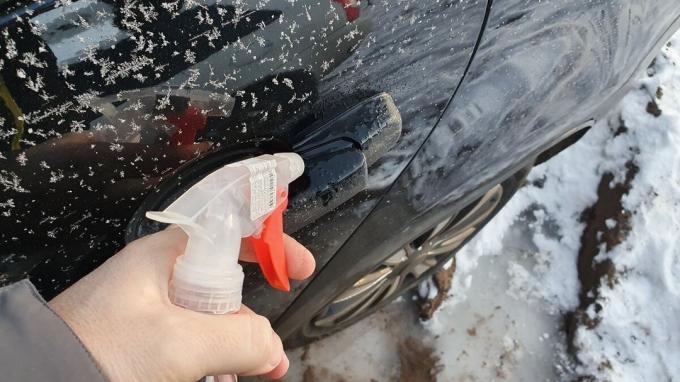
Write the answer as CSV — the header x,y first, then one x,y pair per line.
x,y
512,352
653,109
607,225
442,280
418,363
321,374
659,93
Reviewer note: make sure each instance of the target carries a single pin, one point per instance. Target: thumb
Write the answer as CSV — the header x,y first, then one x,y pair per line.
x,y
155,254
163,246
243,343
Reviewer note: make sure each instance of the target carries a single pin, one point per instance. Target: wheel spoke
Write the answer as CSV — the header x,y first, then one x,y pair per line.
x,y
338,311
418,269
446,245
394,285
365,284
452,237
375,296
482,209
410,250
399,257
442,226
413,260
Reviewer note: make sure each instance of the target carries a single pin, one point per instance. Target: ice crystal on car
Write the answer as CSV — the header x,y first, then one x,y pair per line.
x,y
56,176
31,59
117,147
11,181
36,84
190,56
10,46
22,159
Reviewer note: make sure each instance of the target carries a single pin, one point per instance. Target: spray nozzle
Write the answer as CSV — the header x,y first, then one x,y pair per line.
x,y
245,199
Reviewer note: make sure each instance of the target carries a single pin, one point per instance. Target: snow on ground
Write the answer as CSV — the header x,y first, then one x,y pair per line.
x,y
638,335
578,277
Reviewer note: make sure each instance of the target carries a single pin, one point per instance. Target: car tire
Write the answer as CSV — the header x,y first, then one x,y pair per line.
x,y
413,263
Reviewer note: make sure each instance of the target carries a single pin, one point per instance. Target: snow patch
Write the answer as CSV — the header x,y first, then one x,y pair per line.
x,y
637,335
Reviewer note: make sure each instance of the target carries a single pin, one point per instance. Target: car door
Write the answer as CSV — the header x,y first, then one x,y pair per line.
x,y
543,72
113,107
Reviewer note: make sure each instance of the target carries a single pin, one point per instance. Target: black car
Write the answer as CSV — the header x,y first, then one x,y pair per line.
x,y
417,120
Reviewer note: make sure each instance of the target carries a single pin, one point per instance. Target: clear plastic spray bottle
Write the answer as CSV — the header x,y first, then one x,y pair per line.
x,y
245,199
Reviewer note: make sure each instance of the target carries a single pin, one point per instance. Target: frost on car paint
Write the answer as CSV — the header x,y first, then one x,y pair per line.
x,y
79,152
84,25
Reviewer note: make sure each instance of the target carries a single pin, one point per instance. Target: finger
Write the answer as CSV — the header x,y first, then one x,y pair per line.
x,y
172,241
280,370
247,251
243,343
161,249
299,260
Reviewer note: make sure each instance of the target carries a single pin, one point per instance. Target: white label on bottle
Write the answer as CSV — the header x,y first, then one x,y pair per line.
x,y
262,186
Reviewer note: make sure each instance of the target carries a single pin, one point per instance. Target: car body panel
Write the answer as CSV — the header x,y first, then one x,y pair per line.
x,y
524,73
542,68
85,179
412,38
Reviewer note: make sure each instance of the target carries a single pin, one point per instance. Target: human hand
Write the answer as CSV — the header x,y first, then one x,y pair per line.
x,y
122,314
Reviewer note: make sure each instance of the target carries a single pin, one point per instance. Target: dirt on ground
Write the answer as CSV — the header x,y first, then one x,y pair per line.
x,y
320,374
607,225
417,362
442,280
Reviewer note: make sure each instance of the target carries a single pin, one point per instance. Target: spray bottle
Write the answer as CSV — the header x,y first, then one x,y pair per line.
x,y
245,199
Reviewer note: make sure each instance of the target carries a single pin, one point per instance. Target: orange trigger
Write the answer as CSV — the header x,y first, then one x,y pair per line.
x,y
269,249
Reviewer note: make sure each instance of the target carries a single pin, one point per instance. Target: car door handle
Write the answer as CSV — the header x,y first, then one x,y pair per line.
x,y
337,155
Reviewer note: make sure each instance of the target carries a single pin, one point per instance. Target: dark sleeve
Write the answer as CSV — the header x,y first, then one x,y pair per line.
x,y
35,344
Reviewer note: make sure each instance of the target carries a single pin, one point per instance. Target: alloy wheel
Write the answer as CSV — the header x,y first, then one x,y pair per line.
x,y
409,263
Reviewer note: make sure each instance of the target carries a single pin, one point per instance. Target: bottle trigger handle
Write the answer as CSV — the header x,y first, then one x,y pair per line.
x,y
269,249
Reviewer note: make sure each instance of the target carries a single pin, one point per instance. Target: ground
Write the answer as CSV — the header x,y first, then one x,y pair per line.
x,y
578,278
